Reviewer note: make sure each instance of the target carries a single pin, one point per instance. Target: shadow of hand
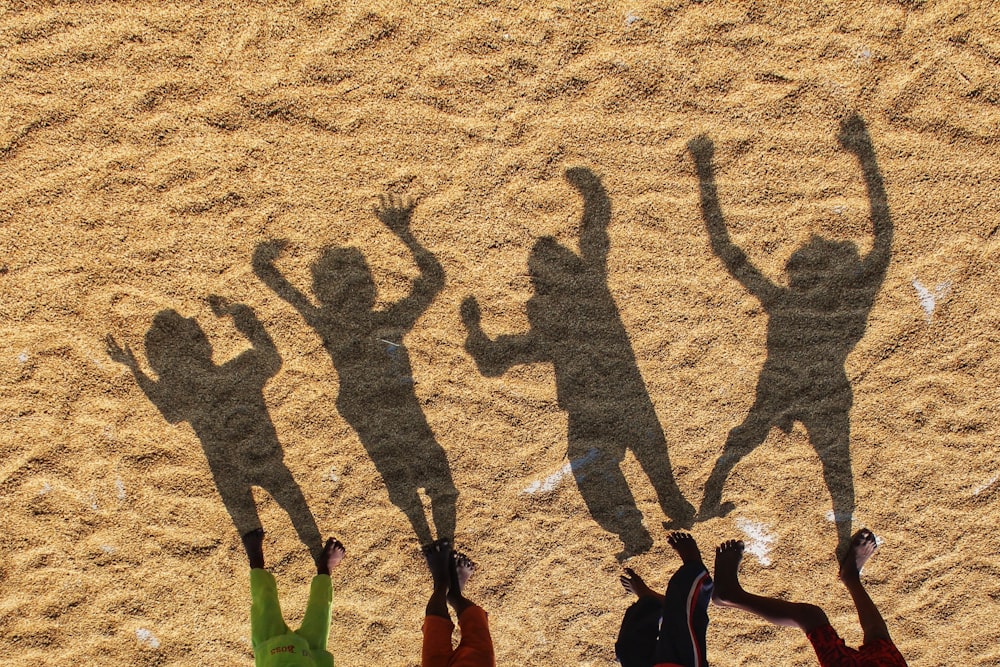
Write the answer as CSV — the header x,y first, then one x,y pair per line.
x,y
702,148
853,134
118,354
394,212
471,317
265,253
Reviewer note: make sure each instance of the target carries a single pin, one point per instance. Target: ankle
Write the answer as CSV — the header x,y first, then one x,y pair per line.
x,y
851,580
460,604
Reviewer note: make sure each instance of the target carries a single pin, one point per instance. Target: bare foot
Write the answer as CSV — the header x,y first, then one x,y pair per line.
x,y
634,584
464,567
253,543
333,553
726,577
438,555
460,570
685,546
862,548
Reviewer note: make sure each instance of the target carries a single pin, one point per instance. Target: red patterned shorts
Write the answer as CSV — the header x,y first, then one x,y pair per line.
x,y
832,652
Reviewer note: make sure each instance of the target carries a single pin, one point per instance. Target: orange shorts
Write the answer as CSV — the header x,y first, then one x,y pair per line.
x,y
832,652
474,650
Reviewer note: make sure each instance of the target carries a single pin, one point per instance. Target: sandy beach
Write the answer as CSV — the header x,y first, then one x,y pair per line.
x,y
470,279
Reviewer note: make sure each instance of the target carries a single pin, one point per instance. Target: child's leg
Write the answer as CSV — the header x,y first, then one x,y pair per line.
x,y
265,611
438,555
729,593
862,548
476,645
316,622
459,570
253,544
636,644
436,650
682,638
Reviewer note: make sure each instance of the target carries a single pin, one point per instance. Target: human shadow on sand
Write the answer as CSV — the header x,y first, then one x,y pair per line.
x,y
225,406
813,325
376,395
576,326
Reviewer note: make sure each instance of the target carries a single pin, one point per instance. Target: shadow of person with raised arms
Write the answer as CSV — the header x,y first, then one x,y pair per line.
x,y
813,325
376,394
576,326
225,407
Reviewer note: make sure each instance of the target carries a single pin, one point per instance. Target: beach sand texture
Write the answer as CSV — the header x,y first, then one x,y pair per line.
x,y
149,149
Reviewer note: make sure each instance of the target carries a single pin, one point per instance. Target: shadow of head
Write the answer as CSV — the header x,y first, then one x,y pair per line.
x,y
342,280
553,269
174,343
583,179
820,262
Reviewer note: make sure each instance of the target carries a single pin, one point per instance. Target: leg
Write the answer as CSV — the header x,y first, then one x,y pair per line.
x,y
476,645
459,571
650,448
741,441
253,544
282,487
438,555
436,650
265,611
316,622
594,459
862,548
729,593
636,644
682,639
830,435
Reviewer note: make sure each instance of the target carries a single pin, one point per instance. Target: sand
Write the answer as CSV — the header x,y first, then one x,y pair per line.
x,y
148,149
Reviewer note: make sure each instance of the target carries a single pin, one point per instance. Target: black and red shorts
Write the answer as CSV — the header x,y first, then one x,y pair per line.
x,y
833,652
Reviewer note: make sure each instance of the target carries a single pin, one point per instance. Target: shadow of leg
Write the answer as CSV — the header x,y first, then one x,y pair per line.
x,y
741,441
609,500
830,437
282,487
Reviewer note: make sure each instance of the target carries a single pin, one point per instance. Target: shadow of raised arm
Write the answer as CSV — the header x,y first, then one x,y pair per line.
x,y
264,356
396,215
150,387
594,242
494,357
855,138
703,150
263,266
